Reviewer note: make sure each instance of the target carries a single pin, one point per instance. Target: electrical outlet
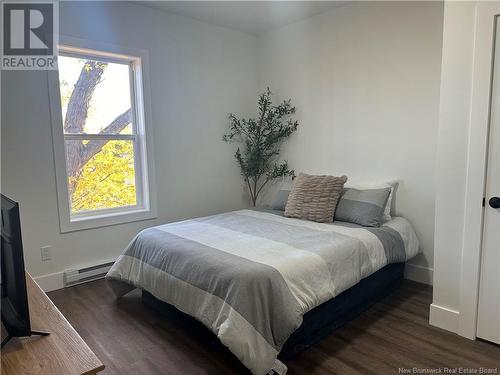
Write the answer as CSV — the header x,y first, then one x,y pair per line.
x,y
46,252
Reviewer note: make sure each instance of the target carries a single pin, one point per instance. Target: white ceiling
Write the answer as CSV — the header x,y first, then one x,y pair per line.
x,y
253,17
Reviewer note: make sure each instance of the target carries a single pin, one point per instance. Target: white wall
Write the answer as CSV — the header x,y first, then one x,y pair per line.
x,y
199,73
456,86
364,77
365,80
462,144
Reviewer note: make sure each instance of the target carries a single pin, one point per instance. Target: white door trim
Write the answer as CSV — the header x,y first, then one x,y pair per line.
x,y
476,165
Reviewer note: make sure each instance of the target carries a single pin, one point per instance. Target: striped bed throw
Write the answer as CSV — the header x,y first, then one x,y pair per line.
x,y
250,276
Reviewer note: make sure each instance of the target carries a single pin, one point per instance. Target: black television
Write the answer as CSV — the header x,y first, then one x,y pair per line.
x,y
15,308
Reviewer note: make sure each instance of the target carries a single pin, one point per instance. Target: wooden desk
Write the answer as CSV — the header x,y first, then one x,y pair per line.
x,y
62,352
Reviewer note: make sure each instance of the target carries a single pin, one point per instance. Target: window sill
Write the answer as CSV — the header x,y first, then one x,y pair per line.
x,y
106,219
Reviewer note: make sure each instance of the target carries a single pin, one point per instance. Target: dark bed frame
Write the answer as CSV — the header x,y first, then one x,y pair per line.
x,y
320,321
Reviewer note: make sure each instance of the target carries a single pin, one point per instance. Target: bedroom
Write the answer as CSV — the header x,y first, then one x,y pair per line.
x,y
397,96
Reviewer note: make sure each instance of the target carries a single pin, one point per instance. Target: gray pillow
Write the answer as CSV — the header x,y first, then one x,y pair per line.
x,y
280,200
363,207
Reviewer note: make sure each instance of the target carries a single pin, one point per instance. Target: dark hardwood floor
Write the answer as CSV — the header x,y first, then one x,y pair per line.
x,y
131,338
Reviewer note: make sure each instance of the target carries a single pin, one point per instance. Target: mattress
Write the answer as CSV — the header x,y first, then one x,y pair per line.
x,y
250,276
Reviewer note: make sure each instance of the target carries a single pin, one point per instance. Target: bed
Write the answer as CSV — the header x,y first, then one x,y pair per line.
x,y
254,277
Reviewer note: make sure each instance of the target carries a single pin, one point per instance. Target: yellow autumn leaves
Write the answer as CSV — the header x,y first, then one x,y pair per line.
x,y
107,180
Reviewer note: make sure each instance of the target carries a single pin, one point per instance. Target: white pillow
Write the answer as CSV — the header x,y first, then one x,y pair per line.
x,y
393,184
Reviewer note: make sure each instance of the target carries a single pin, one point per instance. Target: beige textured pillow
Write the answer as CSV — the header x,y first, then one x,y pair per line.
x,y
314,197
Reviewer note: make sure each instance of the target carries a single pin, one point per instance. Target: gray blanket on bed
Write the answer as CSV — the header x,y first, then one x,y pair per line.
x,y
251,276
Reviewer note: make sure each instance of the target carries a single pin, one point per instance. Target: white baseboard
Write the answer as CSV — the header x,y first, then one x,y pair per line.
x,y
419,274
413,272
50,282
444,318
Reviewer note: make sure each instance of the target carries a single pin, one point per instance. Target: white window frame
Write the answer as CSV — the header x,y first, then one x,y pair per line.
x,y
145,207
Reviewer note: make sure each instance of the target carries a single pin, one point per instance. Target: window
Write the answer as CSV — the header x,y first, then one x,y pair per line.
x,y
102,165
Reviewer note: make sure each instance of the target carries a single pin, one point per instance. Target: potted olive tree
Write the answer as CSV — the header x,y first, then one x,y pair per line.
x,y
260,140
